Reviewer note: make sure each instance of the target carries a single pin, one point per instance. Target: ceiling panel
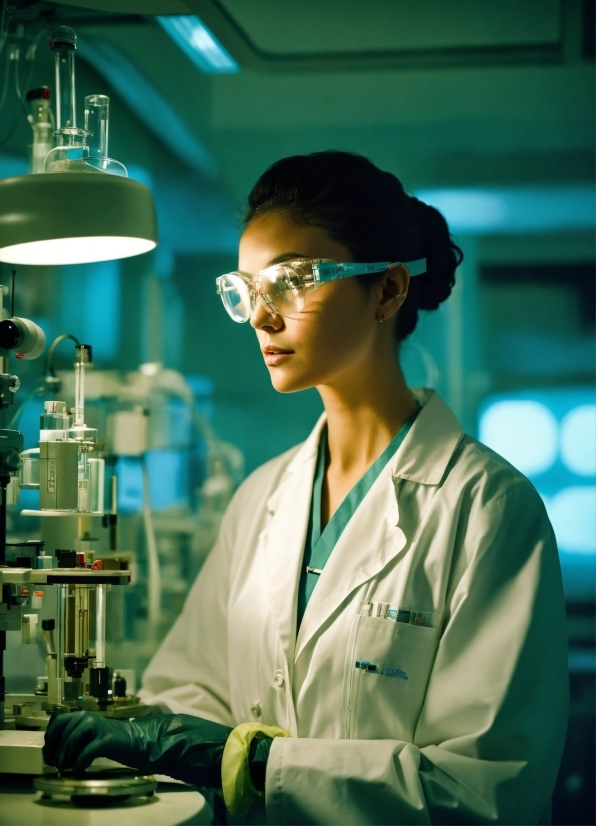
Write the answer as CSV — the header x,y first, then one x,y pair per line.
x,y
343,26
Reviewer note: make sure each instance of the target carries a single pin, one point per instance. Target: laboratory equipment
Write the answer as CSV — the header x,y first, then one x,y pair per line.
x,y
283,288
77,674
78,217
79,149
41,120
69,480
175,478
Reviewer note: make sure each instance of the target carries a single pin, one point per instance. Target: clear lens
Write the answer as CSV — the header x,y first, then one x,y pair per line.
x,y
282,289
235,295
286,286
284,296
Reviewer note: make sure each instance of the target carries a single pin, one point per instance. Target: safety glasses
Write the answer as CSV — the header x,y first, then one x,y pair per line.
x,y
283,288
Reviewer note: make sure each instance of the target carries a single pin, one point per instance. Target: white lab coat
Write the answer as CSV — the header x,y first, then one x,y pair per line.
x,y
476,731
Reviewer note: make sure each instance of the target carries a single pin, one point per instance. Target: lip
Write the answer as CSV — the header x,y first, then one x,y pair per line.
x,y
274,356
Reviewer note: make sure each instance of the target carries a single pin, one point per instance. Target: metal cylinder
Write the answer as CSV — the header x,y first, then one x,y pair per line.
x,y
58,475
29,469
96,484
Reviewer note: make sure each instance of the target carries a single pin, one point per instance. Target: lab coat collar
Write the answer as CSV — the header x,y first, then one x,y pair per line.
x,y
424,454
427,449
306,453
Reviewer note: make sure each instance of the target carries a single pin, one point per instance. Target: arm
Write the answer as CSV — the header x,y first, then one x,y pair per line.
x,y
188,673
490,735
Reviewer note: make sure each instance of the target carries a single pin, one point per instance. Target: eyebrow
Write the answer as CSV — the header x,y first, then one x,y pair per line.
x,y
287,256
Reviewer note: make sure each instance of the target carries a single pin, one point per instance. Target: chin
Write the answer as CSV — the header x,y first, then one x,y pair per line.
x,y
285,383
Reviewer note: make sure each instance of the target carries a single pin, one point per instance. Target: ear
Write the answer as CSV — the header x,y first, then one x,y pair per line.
x,y
394,289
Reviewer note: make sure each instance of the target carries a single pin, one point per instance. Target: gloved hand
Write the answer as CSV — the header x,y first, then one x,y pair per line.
x,y
181,746
257,761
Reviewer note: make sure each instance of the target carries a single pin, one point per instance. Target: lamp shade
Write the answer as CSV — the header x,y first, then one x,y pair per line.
x,y
74,218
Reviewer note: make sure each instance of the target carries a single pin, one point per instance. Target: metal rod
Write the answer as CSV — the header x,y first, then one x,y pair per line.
x,y
4,480
3,483
100,626
2,678
62,599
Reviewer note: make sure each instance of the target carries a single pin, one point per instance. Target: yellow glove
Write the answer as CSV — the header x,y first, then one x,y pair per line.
x,y
239,791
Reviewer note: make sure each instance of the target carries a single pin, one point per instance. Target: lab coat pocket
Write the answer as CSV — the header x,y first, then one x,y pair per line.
x,y
386,675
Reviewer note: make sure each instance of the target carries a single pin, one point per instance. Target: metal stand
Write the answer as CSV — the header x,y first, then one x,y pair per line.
x,y
10,449
3,484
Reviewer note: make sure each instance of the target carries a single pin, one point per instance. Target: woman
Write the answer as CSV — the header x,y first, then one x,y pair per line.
x,y
378,635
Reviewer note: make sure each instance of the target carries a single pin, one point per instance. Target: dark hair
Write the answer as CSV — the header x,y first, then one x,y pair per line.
x,y
369,211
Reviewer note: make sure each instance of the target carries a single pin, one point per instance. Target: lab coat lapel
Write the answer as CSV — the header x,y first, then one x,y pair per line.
x,y
284,538
373,537
370,540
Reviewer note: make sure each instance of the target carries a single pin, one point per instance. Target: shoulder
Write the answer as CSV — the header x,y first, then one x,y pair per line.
x,y
440,453
487,484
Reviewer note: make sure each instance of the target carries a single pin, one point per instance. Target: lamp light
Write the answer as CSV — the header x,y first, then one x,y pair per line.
x,y
74,218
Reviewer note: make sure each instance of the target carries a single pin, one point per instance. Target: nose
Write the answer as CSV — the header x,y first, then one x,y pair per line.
x,y
262,317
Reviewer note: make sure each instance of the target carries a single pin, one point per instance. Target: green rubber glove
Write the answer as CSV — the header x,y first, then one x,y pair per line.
x,y
181,746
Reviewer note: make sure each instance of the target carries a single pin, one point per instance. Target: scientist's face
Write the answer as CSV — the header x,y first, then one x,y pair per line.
x,y
335,332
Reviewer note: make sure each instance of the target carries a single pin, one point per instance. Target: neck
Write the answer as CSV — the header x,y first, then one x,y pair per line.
x,y
364,412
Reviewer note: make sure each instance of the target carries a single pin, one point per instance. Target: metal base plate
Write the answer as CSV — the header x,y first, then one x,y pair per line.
x,y
98,787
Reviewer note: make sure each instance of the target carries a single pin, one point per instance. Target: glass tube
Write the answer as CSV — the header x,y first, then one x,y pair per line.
x,y
100,625
63,42
81,621
79,408
97,115
62,595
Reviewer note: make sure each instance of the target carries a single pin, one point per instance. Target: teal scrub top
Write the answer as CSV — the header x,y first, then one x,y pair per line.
x,y
320,544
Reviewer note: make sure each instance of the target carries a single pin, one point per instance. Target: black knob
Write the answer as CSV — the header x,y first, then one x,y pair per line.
x,y
119,685
99,683
11,458
48,625
10,335
66,559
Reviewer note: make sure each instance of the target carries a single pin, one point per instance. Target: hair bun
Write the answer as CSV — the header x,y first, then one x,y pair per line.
x,y
443,257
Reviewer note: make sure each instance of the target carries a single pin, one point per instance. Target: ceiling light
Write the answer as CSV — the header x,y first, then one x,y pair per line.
x,y
199,44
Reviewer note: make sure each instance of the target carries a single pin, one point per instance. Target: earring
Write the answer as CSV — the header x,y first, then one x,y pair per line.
x,y
381,318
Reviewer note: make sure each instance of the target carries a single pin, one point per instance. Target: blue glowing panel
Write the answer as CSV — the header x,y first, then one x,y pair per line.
x,y
550,435
199,44
578,440
130,485
515,209
168,474
90,306
524,432
168,481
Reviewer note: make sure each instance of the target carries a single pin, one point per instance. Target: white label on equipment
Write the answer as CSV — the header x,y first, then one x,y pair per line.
x,y
51,476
